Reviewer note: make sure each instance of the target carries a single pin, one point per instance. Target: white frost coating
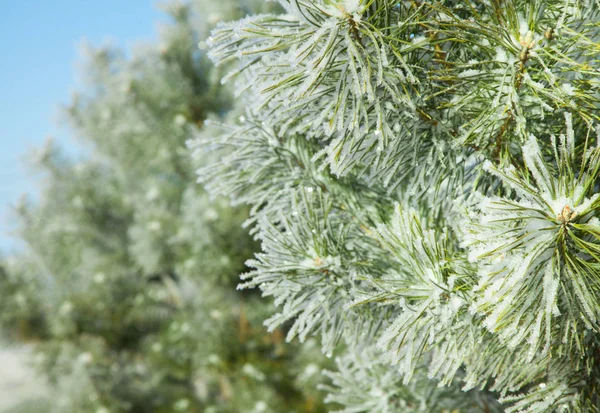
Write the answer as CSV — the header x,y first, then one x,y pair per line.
x,y
534,162
343,8
570,140
568,89
456,303
419,39
469,73
501,55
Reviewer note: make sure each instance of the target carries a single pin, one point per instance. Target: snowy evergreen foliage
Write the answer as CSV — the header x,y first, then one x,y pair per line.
x,y
364,385
423,178
126,287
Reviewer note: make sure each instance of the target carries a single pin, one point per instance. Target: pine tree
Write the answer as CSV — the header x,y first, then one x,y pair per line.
x,y
423,179
126,287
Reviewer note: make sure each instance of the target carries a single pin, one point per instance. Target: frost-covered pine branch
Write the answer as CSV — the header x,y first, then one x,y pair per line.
x,y
423,177
125,289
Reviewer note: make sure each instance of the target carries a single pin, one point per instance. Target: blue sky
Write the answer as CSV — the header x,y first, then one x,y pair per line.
x,y
39,43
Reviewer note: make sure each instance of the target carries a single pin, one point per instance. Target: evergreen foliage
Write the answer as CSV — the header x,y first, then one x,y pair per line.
x,y
423,179
126,287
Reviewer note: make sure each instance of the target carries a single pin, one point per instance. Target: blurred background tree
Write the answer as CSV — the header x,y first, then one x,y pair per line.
x,y
126,290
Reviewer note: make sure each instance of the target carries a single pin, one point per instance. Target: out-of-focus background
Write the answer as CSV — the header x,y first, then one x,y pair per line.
x,y
40,42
